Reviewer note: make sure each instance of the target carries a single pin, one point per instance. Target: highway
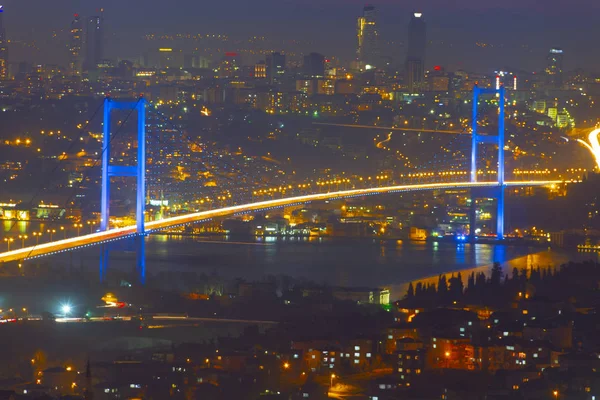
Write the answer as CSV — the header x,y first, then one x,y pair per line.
x,y
152,226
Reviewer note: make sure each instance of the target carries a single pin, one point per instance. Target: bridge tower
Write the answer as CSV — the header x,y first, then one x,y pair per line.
x,y
138,171
498,140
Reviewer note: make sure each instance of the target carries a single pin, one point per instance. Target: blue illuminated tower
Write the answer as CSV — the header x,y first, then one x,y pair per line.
x,y
498,140
138,171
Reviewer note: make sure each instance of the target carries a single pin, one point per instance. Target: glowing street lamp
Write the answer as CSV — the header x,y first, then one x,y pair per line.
x,y
78,226
37,237
8,242
66,309
23,237
333,376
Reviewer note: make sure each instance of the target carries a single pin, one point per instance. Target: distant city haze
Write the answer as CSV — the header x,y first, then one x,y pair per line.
x,y
516,33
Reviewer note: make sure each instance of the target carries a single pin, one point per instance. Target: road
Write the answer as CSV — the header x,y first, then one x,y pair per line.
x,y
93,239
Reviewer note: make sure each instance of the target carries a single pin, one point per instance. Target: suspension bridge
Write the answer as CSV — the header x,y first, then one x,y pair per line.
x,y
105,235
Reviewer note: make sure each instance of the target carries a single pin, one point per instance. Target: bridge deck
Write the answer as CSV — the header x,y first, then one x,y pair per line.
x,y
119,233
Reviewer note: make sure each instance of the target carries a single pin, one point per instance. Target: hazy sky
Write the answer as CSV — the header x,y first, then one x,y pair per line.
x,y
519,31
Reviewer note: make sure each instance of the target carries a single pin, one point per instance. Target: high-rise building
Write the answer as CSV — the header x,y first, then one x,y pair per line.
x,y
367,52
415,56
314,65
164,57
3,49
260,70
554,68
275,68
94,42
76,46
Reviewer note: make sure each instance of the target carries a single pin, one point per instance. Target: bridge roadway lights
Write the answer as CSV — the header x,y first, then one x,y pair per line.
x,y
138,171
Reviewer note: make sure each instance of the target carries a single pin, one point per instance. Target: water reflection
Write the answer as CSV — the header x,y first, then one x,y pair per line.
x,y
353,262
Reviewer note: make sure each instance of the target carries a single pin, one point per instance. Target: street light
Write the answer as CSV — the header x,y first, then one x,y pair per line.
x,y
51,232
66,309
78,226
555,393
23,237
62,228
91,224
37,237
8,242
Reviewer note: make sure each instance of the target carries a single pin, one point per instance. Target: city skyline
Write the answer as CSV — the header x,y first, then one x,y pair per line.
x,y
452,34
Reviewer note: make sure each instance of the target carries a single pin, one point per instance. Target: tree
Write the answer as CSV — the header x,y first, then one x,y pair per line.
x,y
442,288
515,274
456,287
410,292
496,274
471,283
419,290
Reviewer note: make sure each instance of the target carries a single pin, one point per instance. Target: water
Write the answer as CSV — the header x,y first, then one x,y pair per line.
x,y
345,262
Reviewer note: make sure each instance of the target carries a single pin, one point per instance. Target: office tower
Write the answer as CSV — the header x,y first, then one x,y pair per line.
x,y
554,68
229,67
415,56
3,49
260,70
314,65
94,42
367,52
76,46
275,68
164,57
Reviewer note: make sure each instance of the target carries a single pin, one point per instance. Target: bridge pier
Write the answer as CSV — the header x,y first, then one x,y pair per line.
x,y
137,171
498,140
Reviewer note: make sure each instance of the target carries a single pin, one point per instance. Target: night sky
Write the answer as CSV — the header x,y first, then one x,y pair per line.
x,y
519,32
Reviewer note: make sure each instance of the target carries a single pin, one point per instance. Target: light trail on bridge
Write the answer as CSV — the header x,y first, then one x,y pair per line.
x,y
93,239
390,128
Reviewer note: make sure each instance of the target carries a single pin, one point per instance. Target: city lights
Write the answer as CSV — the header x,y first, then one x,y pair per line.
x,y
593,146
66,309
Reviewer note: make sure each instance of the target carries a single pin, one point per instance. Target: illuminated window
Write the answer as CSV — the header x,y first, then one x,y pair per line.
x,y
368,355
356,361
356,355
400,369
356,348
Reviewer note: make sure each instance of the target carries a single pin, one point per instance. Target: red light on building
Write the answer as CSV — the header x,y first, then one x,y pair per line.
x,y
231,54
437,68
76,15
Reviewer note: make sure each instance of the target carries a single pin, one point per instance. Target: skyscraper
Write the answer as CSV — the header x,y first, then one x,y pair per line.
x,y
314,65
275,68
367,52
3,49
554,68
76,46
94,42
415,56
